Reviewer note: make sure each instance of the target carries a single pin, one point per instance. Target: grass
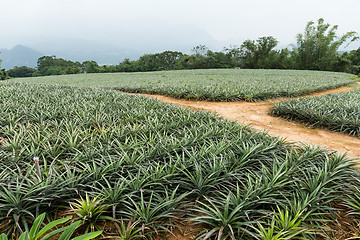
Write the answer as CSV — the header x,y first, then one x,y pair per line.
x,y
337,112
149,165
212,85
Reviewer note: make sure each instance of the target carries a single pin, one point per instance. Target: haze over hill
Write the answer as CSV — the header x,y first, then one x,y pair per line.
x,y
128,44
83,50
116,48
19,56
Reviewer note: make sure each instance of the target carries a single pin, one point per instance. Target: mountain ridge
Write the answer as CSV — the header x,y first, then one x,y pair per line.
x,y
19,55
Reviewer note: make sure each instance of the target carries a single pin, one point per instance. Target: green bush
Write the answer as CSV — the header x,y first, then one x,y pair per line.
x,y
3,74
21,72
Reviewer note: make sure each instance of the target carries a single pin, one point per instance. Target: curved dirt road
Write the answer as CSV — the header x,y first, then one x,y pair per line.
x,y
256,115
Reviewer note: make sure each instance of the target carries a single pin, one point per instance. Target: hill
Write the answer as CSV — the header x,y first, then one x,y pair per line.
x,y
84,50
19,56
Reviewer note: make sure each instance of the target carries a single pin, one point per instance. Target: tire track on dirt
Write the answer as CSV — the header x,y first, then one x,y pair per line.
x,y
256,115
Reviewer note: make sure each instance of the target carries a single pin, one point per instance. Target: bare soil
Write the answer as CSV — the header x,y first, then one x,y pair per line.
x,y
256,114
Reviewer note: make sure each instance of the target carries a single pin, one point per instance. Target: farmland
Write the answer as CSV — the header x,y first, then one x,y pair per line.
x,y
337,112
211,84
157,166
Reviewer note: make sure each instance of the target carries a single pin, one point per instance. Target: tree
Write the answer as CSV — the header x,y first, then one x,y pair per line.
x,y
169,59
21,72
260,53
91,67
51,65
44,63
128,66
3,73
233,54
108,69
200,50
148,62
354,58
197,60
317,47
53,70
217,60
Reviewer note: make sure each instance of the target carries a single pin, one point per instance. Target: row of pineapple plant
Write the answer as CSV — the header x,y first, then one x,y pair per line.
x,y
135,168
338,112
210,84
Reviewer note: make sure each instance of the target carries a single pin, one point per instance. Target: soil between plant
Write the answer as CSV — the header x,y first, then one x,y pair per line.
x,y
256,114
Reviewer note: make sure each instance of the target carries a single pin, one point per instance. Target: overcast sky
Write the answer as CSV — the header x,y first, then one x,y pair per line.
x,y
118,21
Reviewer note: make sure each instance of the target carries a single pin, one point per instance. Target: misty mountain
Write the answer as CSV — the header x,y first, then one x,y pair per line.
x,y
112,48
19,56
83,50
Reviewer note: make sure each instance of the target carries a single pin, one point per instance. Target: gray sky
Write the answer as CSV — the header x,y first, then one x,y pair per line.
x,y
163,21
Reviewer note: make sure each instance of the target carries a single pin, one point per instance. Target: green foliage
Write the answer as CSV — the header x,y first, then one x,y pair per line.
x,y
25,194
283,226
317,47
203,58
338,112
90,67
113,193
353,59
48,231
90,212
153,165
128,231
128,66
21,72
353,201
202,181
224,220
3,74
260,54
167,60
213,85
51,65
153,214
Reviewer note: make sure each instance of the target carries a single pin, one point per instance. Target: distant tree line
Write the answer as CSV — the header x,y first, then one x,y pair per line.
x,y
316,49
3,74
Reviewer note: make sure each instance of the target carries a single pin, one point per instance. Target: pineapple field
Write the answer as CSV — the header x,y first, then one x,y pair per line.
x,y
337,112
209,84
77,153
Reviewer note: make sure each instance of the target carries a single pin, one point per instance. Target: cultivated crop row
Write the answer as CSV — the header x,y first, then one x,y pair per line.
x,y
136,168
338,112
211,84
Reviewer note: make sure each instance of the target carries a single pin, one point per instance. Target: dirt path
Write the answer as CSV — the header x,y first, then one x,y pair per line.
x,y
256,115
